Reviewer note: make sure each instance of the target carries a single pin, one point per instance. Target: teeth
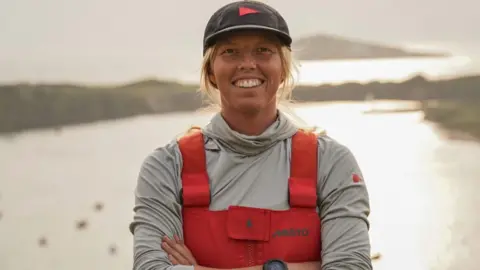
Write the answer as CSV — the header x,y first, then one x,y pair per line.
x,y
248,83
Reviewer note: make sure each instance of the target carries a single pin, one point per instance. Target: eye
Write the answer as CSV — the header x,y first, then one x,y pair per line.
x,y
264,50
229,51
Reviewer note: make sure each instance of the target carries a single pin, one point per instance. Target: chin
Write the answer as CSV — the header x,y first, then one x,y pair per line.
x,y
249,107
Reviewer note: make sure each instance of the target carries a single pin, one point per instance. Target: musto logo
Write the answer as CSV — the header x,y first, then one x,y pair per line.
x,y
291,232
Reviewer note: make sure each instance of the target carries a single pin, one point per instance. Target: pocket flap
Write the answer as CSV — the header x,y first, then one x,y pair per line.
x,y
245,223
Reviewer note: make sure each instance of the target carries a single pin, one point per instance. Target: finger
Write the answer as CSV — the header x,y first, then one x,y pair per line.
x,y
166,247
178,240
173,260
177,244
186,256
170,241
180,259
173,243
185,251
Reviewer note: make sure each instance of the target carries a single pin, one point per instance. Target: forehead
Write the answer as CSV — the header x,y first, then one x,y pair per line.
x,y
248,37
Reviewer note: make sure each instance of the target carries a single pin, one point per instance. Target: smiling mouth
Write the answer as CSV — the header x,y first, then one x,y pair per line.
x,y
248,83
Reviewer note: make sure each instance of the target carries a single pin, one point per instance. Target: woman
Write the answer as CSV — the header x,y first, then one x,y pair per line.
x,y
250,190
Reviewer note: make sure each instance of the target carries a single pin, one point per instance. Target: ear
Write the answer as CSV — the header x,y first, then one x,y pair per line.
x,y
212,79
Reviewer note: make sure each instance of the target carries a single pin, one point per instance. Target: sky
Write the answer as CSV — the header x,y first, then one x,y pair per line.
x,y
102,41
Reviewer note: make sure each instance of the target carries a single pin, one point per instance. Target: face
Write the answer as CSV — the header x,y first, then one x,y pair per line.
x,y
247,70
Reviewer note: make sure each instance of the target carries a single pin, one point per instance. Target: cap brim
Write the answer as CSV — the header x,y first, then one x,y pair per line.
x,y
284,37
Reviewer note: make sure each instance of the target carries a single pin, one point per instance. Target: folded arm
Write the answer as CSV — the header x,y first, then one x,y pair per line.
x,y
344,209
157,210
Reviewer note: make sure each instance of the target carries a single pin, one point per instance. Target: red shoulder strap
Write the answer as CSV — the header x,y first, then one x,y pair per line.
x,y
302,183
195,186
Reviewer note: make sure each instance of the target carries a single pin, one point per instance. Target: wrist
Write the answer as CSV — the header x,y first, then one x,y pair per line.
x,y
275,264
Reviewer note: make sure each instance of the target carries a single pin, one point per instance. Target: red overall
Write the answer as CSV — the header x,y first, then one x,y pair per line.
x,y
242,236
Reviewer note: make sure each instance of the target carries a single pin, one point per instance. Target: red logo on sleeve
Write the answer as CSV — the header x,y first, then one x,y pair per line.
x,y
356,178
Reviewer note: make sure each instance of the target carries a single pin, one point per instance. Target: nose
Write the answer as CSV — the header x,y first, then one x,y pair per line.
x,y
247,62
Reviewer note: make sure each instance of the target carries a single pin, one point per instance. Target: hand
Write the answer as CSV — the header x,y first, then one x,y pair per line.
x,y
177,251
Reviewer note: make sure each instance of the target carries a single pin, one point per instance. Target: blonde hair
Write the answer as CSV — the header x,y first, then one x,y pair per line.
x,y
284,93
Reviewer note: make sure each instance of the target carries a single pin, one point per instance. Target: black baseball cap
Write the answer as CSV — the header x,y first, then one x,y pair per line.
x,y
245,15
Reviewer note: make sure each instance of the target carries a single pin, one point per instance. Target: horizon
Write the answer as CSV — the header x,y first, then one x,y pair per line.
x,y
312,73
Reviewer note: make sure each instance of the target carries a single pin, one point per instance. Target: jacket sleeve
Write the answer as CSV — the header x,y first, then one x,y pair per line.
x,y
157,210
344,207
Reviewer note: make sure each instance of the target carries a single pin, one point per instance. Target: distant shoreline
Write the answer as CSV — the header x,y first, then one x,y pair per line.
x,y
338,47
458,119
29,106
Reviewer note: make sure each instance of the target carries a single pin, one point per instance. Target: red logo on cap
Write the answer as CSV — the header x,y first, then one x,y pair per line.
x,y
244,11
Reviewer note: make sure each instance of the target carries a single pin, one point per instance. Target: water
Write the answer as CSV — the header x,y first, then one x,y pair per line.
x,y
422,187
366,70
